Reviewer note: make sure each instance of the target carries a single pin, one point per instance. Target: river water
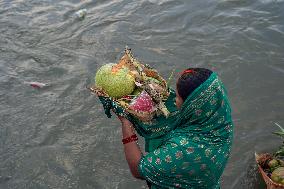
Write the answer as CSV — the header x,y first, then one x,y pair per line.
x,y
58,136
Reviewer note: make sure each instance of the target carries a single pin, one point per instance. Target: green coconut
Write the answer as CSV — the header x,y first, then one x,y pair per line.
x,y
281,162
115,83
273,164
278,175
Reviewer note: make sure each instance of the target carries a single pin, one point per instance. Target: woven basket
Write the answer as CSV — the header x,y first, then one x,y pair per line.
x,y
128,58
269,183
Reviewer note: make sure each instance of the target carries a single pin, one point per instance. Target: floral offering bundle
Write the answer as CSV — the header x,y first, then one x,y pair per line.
x,y
137,88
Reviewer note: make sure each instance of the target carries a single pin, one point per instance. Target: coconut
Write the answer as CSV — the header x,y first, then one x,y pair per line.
x,y
278,175
116,83
273,164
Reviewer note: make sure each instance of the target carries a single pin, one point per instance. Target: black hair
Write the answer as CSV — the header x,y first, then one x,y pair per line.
x,y
190,79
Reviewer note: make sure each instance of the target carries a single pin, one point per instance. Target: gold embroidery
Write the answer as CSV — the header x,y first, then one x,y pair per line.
x,y
209,113
213,102
168,159
174,169
158,161
208,152
200,145
197,158
183,141
213,159
198,112
221,120
174,145
196,139
157,151
179,155
189,150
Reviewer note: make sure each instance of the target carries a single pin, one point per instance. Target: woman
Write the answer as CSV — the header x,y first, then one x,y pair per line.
x,y
193,151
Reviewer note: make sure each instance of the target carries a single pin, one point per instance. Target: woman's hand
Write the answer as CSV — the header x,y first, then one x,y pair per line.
x,y
123,119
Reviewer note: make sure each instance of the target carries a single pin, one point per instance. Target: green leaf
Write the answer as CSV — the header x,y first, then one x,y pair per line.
x,y
279,133
282,130
280,151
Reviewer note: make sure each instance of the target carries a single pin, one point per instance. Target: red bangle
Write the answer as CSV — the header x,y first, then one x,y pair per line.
x,y
130,139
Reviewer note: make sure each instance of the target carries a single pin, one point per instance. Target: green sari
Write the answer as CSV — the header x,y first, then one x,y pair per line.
x,y
195,152
191,147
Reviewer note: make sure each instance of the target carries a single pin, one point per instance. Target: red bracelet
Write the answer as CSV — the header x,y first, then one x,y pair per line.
x,y
130,139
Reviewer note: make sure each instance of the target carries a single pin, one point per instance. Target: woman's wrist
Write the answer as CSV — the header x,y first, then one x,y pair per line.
x,y
132,138
127,130
125,121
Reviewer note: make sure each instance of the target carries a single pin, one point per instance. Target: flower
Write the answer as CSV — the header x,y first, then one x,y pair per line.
x,y
168,159
178,154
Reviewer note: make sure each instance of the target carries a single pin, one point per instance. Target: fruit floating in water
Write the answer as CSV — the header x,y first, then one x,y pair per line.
x,y
115,82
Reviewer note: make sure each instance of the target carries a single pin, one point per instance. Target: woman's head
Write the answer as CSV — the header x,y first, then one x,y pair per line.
x,y
189,80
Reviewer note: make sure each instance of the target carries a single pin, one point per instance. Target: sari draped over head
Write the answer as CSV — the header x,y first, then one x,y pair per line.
x,y
190,148
195,152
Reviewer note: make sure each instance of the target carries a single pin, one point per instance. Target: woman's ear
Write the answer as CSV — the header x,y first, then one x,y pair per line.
x,y
179,100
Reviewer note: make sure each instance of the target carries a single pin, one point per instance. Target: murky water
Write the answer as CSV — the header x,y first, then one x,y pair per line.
x,y
58,137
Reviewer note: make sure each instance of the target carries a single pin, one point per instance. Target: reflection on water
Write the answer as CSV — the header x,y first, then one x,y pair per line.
x,y
58,137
